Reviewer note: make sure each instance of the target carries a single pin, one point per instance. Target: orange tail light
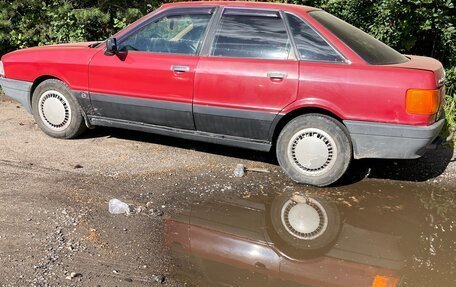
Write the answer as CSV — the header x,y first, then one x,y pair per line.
x,y
422,102
385,281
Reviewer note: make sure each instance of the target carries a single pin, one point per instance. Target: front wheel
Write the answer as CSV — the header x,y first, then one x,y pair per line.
x,y
314,149
56,111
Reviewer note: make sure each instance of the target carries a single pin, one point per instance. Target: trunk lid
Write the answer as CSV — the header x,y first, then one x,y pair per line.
x,y
426,64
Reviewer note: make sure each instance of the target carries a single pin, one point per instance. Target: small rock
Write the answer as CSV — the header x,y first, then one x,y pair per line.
x,y
156,212
78,166
160,279
73,275
246,194
131,210
149,204
140,209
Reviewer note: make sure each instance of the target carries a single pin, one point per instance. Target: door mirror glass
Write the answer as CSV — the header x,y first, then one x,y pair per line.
x,y
111,46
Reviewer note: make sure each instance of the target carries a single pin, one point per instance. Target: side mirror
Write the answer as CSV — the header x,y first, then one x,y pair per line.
x,y
111,46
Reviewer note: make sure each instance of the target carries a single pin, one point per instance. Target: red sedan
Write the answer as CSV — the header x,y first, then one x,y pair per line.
x,y
251,75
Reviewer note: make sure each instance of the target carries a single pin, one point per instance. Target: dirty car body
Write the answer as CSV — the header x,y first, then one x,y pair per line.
x,y
250,75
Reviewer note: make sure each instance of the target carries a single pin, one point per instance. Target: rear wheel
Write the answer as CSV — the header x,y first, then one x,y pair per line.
x,y
303,224
314,149
56,111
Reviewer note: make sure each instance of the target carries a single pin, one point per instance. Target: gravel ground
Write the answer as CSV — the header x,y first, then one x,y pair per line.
x,y
55,228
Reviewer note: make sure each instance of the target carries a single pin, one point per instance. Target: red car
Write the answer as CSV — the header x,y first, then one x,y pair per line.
x,y
251,75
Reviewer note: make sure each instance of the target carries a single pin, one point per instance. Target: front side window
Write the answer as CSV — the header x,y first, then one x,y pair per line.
x,y
174,34
367,47
247,35
311,46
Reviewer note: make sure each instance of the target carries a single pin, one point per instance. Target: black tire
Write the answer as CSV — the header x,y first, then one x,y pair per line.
x,y
330,143
297,243
72,124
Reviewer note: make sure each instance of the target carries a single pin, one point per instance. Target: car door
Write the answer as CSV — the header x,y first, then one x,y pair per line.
x,y
150,79
247,75
228,240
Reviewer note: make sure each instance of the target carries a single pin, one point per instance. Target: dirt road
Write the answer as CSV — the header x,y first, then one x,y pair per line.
x,y
55,228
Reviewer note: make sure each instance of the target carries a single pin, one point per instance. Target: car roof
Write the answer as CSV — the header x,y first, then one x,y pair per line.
x,y
265,5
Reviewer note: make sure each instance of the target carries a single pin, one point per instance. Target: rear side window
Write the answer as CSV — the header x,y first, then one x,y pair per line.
x,y
367,47
311,46
246,35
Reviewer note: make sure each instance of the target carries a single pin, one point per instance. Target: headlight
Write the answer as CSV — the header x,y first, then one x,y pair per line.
x,y
2,71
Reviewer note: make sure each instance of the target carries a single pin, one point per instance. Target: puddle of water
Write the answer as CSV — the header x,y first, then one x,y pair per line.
x,y
374,233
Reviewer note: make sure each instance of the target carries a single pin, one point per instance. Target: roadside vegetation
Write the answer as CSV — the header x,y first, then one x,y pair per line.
x,y
421,27
450,110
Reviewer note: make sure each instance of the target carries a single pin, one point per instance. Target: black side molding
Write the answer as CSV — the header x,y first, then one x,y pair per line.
x,y
185,134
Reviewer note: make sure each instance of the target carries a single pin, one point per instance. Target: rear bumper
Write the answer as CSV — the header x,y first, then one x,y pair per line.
x,y
380,140
17,90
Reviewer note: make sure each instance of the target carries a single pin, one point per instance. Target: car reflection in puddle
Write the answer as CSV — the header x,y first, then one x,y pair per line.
x,y
374,234
293,239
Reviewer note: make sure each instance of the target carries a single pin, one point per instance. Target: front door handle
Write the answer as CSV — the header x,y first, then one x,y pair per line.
x,y
180,69
277,75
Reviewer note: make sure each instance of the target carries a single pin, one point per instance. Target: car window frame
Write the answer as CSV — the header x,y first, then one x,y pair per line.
x,y
209,10
207,46
345,60
216,12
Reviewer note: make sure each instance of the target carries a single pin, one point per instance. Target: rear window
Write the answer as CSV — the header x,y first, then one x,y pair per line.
x,y
367,47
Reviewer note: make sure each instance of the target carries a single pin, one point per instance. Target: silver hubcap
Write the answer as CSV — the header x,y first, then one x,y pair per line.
x,y
304,218
54,110
312,151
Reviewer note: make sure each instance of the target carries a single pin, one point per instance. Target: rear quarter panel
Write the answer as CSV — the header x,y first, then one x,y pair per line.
x,y
361,92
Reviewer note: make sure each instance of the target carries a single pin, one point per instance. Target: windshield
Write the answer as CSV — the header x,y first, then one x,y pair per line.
x,y
367,47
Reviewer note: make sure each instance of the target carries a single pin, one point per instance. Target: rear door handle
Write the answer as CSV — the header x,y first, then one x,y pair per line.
x,y
277,75
180,69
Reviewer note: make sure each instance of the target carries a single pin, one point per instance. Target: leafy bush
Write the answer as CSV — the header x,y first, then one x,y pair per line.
x,y
422,27
25,23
